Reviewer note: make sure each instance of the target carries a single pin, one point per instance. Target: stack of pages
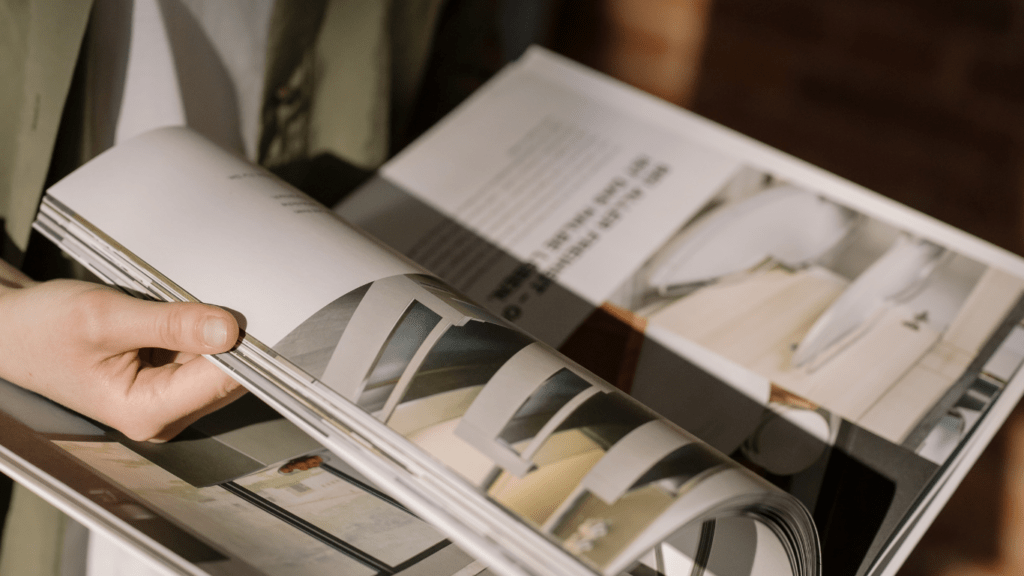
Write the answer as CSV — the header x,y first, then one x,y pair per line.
x,y
414,416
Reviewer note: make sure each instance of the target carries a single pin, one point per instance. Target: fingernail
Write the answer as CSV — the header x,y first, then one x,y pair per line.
x,y
215,332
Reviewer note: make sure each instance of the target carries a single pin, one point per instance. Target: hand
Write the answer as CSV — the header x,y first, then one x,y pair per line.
x,y
131,364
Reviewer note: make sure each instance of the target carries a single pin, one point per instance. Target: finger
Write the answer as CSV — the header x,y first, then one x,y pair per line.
x,y
171,397
174,428
125,323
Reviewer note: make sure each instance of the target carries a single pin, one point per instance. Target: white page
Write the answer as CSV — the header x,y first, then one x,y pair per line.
x,y
308,254
575,187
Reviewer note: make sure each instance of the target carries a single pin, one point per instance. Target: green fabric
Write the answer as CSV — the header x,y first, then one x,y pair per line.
x,y
39,46
288,82
33,536
358,65
349,110
339,72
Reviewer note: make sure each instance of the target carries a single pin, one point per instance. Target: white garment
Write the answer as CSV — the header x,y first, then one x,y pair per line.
x,y
191,63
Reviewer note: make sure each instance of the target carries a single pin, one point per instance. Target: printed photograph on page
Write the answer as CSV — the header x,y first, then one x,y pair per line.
x,y
842,313
565,452
241,490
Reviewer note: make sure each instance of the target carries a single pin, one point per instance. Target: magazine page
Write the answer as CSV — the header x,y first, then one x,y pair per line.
x,y
524,458
242,491
826,337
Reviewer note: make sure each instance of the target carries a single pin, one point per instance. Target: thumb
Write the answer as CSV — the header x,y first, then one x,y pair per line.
x,y
179,326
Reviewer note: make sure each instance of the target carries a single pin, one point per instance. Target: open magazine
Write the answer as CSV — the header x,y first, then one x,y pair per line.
x,y
421,435
857,354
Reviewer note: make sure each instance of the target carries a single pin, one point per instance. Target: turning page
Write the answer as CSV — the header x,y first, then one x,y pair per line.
x,y
522,457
